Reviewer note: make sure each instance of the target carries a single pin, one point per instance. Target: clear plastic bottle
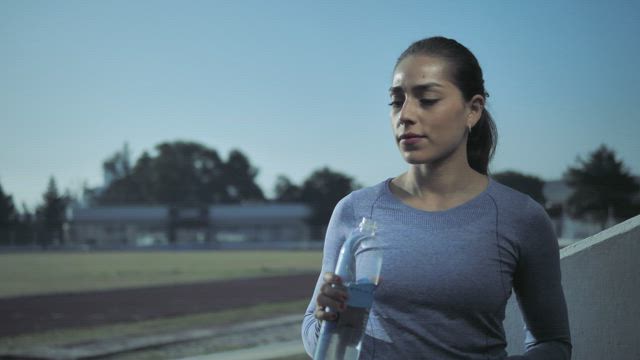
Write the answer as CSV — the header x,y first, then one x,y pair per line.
x,y
358,266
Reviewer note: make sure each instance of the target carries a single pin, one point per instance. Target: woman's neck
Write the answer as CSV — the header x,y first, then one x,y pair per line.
x,y
436,188
441,179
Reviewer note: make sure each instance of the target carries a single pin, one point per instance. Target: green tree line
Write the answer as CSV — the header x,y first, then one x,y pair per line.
x,y
177,173
183,173
43,226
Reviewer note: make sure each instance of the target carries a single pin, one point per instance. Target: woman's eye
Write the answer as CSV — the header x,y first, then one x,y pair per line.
x,y
428,102
396,103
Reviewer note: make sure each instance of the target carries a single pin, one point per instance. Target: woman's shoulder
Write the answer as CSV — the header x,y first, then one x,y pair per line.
x,y
372,191
525,220
363,197
353,206
517,206
368,194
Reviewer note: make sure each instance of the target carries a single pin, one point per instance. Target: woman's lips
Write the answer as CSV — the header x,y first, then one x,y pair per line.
x,y
411,140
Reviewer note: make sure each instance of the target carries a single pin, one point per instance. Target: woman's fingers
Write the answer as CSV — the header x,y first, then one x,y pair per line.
x,y
331,278
334,291
321,314
333,287
332,295
333,303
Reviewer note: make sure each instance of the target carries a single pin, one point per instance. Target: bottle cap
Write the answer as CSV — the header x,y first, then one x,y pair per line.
x,y
368,225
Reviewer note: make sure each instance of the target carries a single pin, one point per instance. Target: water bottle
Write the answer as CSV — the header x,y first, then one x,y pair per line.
x,y
358,266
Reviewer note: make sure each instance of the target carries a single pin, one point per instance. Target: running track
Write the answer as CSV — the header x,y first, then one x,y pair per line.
x,y
20,315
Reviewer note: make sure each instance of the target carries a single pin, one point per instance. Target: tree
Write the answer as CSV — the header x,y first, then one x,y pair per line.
x,y
142,181
187,173
118,166
182,173
8,218
118,174
240,176
286,191
602,187
26,229
322,190
52,214
527,184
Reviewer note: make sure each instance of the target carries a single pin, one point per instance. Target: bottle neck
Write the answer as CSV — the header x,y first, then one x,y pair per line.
x,y
367,226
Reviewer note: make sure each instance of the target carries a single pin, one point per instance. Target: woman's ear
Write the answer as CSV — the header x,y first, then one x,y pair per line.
x,y
476,106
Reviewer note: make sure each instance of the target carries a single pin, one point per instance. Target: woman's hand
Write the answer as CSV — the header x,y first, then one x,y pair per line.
x,y
333,294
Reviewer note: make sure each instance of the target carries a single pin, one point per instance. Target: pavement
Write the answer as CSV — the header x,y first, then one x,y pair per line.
x,y
260,339
264,352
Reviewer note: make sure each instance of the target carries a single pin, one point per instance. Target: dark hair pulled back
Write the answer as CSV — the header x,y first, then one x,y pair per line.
x,y
466,74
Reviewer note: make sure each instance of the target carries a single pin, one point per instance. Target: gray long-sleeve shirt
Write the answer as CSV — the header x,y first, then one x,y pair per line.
x,y
447,275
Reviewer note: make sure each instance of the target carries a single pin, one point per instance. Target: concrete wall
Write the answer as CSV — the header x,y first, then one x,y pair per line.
x,y
601,280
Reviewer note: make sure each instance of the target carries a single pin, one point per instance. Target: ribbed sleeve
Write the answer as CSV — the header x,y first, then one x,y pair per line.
x,y
341,223
538,288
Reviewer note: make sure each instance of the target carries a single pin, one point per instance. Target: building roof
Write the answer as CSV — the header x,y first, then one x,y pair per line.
x,y
120,213
252,212
237,213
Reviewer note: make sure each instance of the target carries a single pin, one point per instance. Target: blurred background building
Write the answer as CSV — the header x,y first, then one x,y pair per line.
x,y
212,226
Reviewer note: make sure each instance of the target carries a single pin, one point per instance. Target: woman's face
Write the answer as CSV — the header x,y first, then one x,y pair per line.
x,y
429,115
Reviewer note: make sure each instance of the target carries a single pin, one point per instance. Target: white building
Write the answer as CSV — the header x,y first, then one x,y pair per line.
x,y
160,225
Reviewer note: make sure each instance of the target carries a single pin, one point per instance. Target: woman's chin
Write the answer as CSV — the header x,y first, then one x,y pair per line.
x,y
412,159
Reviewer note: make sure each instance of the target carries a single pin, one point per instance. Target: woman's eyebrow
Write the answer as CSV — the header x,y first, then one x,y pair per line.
x,y
415,89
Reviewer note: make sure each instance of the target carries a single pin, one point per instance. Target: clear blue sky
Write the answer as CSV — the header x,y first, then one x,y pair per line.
x,y
297,85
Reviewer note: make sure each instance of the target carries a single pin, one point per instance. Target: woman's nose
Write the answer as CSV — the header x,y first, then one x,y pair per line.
x,y
406,115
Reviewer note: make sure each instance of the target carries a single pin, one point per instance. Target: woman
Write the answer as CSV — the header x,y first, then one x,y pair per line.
x,y
455,242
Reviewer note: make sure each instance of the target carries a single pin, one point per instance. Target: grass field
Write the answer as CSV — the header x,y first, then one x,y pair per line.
x,y
56,272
